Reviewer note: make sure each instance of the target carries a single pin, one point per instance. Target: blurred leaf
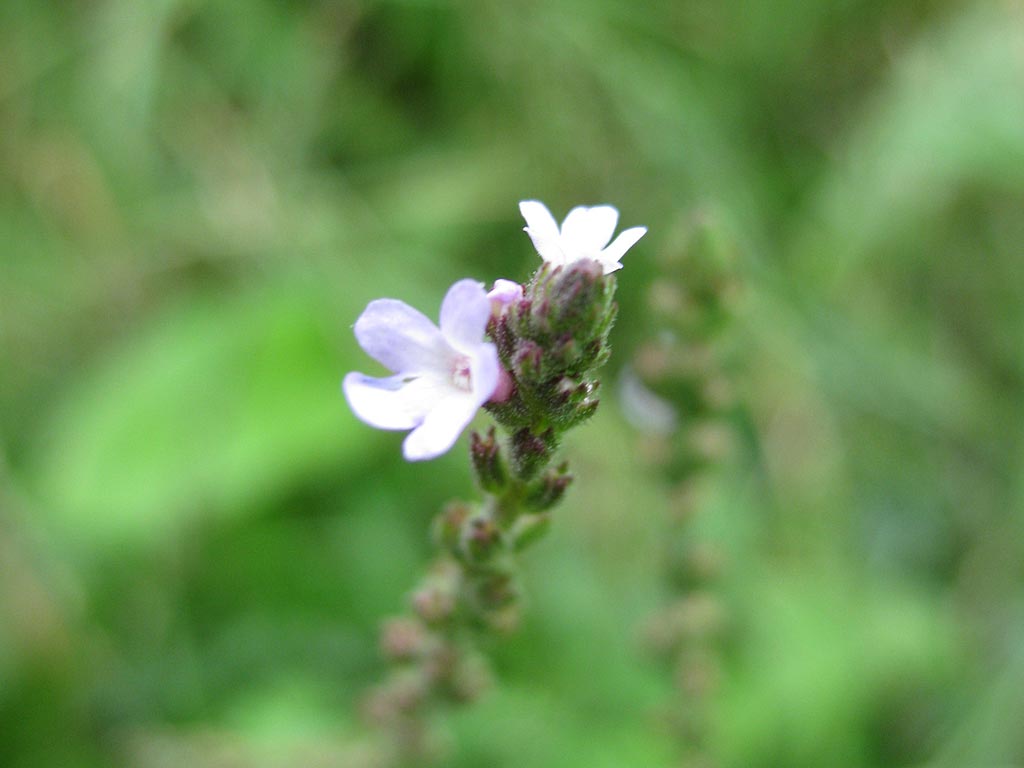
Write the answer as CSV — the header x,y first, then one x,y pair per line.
x,y
212,409
951,113
524,726
817,661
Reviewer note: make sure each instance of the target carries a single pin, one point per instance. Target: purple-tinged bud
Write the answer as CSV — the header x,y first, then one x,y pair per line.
x,y
574,392
575,403
439,665
487,462
505,388
400,695
497,590
434,602
566,353
528,361
530,452
402,639
549,490
481,539
448,525
577,298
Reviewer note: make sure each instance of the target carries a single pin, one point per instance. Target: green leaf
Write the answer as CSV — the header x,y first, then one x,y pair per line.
x,y
215,406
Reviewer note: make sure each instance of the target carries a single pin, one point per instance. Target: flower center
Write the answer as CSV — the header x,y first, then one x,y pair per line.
x,y
461,375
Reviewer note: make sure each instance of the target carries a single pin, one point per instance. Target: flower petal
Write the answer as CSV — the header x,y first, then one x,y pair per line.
x,y
395,402
485,372
539,218
441,428
543,231
464,315
588,230
505,292
402,338
611,255
450,415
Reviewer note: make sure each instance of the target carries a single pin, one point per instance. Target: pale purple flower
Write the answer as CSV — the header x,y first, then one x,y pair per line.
x,y
442,375
504,293
585,234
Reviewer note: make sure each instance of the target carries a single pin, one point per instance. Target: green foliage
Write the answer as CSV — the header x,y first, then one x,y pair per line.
x,y
216,408
196,201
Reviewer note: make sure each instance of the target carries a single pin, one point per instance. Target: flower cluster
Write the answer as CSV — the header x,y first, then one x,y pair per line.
x,y
543,339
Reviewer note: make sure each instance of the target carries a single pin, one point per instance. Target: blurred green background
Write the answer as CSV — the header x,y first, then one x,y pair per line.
x,y
197,539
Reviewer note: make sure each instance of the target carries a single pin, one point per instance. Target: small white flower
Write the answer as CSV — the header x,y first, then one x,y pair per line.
x,y
585,234
442,375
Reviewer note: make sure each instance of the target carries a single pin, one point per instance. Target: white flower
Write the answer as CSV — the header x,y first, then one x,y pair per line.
x,y
442,376
585,234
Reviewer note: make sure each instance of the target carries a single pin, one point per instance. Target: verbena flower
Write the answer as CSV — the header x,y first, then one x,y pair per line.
x,y
585,234
504,293
442,375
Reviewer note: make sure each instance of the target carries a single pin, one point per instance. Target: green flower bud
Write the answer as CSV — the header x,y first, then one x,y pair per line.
x,y
531,452
403,638
527,365
481,539
448,525
549,490
487,462
497,590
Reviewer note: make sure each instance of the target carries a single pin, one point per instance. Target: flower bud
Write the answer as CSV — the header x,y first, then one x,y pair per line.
x,y
487,462
528,363
572,312
402,638
548,491
531,452
497,590
575,296
481,539
565,355
434,602
448,525
400,695
505,388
